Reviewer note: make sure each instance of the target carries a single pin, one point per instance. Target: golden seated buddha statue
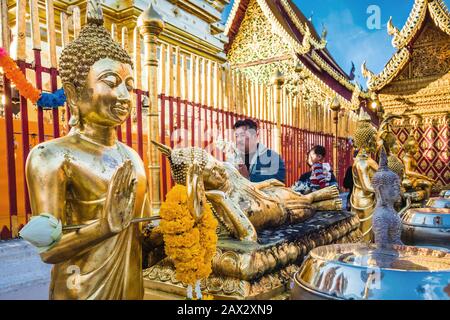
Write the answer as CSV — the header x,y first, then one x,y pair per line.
x,y
417,185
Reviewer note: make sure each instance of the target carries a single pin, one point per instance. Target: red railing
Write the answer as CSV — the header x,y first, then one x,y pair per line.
x,y
191,124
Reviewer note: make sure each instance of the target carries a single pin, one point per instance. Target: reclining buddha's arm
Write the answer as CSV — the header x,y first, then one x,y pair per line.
x,y
243,228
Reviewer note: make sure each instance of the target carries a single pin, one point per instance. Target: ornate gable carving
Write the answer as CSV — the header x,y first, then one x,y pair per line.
x,y
256,40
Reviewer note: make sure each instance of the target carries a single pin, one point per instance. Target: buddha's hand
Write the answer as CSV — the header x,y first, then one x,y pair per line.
x,y
120,200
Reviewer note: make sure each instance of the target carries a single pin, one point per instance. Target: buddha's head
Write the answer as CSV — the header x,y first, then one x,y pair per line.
x,y
386,183
213,173
365,134
411,146
198,171
395,147
97,75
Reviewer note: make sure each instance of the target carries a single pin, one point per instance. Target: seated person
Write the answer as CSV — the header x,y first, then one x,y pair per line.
x,y
258,162
320,175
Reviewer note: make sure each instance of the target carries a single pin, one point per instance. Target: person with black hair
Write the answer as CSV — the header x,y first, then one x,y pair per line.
x,y
348,181
320,176
259,163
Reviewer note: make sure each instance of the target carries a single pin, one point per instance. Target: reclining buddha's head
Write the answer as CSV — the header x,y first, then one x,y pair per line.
x,y
213,173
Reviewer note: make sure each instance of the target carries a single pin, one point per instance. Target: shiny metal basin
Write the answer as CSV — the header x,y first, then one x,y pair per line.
x,y
427,227
438,202
363,271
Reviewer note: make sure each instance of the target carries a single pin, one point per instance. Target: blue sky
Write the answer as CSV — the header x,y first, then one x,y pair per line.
x,y
349,36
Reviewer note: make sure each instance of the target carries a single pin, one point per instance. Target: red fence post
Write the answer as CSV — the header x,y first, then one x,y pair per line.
x,y
140,140
128,132
119,132
25,140
205,128
186,124
55,111
9,128
38,74
179,127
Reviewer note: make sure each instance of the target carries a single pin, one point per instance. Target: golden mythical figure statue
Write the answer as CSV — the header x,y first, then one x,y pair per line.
x,y
412,179
88,177
242,206
364,167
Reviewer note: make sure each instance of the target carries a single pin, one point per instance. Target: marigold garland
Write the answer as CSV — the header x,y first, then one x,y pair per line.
x,y
25,88
13,73
190,244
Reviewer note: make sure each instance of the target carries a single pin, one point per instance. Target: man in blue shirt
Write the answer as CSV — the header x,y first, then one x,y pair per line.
x,y
259,162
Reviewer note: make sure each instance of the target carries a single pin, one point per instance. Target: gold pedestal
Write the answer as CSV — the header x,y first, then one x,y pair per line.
x,y
257,271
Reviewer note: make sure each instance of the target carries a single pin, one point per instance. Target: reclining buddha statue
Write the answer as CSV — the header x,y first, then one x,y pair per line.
x,y
265,229
243,206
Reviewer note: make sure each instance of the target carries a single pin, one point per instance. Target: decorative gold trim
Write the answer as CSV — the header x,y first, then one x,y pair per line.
x,y
317,45
412,25
440,15
338,77
391,29
231,16
329,92
355,102
300,49
331,71
390,71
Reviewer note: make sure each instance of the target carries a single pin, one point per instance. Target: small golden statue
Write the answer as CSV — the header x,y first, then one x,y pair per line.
x,y
364,167
414,181
394,162
242,206
90,178
387,139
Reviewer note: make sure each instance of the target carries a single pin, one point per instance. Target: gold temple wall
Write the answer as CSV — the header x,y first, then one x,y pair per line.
x,y
258,51
420,93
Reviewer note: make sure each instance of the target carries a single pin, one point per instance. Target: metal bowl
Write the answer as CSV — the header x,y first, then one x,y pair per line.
x,y
427,227
367,271
438,202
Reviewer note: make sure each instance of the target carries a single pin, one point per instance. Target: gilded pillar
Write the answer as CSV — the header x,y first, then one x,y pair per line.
x,y
278,81
336,107
150,25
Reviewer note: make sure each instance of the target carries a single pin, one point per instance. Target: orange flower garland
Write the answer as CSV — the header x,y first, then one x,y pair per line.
x,y
190,244
13,73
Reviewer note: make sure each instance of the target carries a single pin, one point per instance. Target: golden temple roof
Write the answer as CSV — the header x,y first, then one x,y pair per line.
x,y
297,31
402,40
